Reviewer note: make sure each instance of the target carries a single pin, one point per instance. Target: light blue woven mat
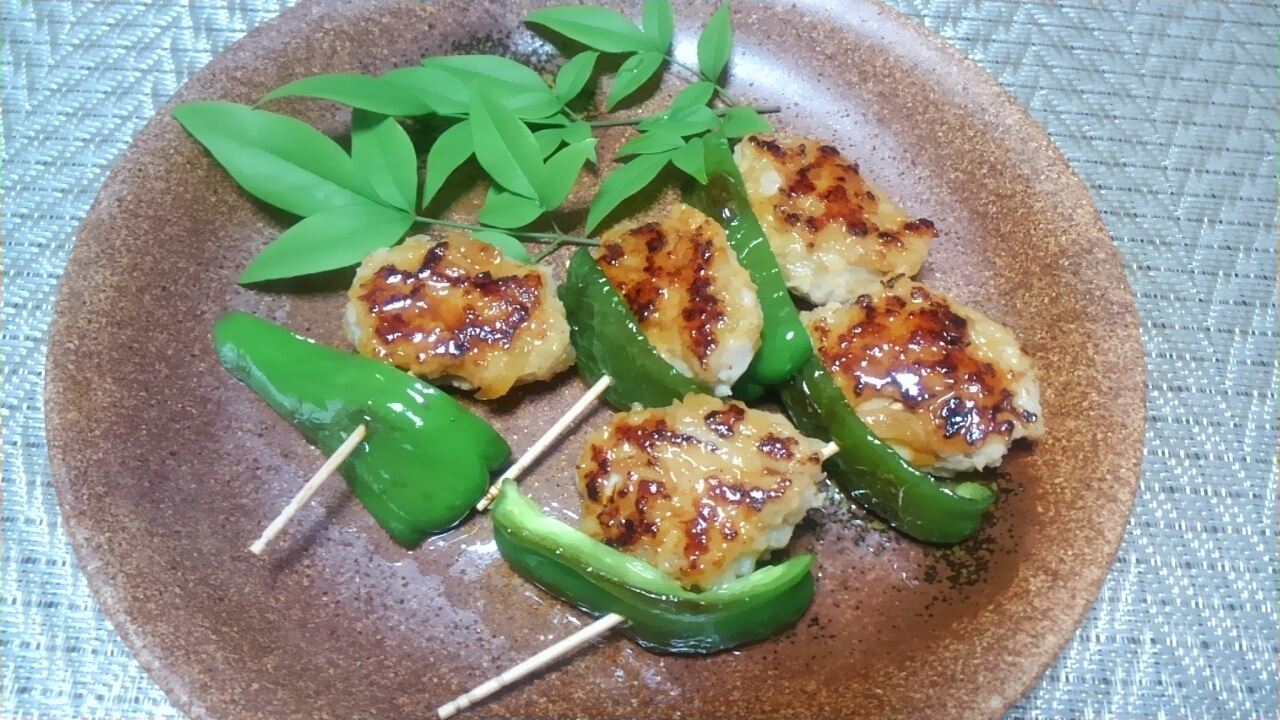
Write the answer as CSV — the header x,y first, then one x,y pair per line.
x,y
1167,110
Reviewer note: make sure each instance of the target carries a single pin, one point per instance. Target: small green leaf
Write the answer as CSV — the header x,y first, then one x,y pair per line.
x,y
715,43
509,246
508,210
659,24
441,90
383,153
505,146
697,94
650,143
359,91
596,27
447,154
549,140
634,72
518,88
277,159
335,238
562,173
686,122
692,159
743,121
577,132
622,184
573,75
580,132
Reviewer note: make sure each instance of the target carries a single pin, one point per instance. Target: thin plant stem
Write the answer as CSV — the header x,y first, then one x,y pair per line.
x,y
546,251
723,93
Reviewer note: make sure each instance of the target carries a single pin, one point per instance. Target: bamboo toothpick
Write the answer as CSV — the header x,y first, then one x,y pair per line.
x,y
531,455
586,634
327,469
542,659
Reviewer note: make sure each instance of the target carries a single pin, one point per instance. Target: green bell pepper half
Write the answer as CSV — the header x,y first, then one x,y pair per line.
x,y
661,615
425,460
784,344
874,474
608,341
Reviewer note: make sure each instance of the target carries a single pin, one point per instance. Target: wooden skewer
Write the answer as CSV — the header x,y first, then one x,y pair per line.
x,y
544,442
565,646
327,469
542,659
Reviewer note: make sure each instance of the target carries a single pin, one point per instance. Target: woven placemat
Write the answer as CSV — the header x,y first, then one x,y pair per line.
x,y
1166,110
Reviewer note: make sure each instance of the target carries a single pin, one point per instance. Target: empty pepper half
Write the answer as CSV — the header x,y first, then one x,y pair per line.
x,y
661,615
608,341
874,474
784,344
425,459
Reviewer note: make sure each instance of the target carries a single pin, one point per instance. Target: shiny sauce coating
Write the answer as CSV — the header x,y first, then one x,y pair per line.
x,y
911,347
699,489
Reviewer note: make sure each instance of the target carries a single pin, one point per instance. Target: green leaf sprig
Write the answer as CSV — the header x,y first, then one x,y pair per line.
x,y
520,129
671,137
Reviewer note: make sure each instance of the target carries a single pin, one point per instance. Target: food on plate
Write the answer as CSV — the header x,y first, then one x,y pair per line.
x,y
660,614
687,292
459,312
700,489
425,459
939,381
607,341
783,345
830,228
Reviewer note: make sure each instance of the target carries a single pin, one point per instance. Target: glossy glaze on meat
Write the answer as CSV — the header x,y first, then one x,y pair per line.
x,y
944,384
460,312
691,298
700,489
829,227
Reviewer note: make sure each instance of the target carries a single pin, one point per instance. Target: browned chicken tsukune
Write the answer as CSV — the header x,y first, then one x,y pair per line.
x,y
690,297
700,489
459,312
830,228
948,387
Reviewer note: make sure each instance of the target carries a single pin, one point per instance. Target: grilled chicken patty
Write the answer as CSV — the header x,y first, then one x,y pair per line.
x,y
459,311
945,385
690,297
828,226
700,489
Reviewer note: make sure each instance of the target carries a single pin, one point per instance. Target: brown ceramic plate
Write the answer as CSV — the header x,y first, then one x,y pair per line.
x,y
167,468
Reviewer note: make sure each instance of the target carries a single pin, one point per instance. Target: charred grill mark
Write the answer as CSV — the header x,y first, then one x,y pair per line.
x,y
612,254
704,314
651,432
753,497
768,145
696,532
597,473
778,447
724,423
838,185
408,305
799,185
918,354
688,264
623,529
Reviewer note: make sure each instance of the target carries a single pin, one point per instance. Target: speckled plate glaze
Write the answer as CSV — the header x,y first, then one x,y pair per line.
x,y
167,468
